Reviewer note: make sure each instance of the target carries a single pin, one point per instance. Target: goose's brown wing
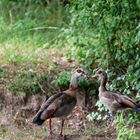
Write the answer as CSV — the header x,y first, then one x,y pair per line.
x,y
50,100
125,101
120,100
61,106
45,105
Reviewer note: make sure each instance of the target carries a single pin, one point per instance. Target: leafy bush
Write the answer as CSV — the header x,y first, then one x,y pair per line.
x,y
124,131
62,79
105,34
25,82
29,81
98,115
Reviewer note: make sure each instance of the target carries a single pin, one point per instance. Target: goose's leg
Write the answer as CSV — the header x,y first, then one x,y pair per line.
x,y
112,119
62,125
50,126
125,115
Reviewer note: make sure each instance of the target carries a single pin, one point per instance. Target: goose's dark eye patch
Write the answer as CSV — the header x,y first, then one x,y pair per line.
x,y
79,71
99,72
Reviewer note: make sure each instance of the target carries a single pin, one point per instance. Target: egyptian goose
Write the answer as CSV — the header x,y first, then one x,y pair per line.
x,y
61,104
113,101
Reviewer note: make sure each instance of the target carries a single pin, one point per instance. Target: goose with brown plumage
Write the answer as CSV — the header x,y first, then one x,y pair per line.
x,y
113,101
61,104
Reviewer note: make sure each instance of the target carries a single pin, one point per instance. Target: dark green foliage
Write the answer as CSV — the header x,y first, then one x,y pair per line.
x,y
63,79
31,19
83,82
105,34
25,82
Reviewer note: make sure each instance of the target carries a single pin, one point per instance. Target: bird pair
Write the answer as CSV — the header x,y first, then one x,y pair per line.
x,y
61,104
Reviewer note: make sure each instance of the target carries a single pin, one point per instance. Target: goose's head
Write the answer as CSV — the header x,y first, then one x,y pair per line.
x,y
100,73
78,72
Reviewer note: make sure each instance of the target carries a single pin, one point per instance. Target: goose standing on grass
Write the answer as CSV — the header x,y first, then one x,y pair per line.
x,y
61,104
113,101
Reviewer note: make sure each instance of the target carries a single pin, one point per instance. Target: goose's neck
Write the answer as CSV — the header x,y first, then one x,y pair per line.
x,y
73,83
102,87
72,87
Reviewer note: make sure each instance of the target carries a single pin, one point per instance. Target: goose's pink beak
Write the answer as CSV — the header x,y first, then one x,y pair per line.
x,y
84,75
96,75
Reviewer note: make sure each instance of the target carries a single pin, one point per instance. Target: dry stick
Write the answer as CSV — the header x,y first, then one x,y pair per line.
x,y
10,16
41,88
42,28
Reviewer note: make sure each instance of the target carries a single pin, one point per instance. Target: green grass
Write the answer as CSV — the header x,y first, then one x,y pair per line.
x,y
26,45
25,53
25,63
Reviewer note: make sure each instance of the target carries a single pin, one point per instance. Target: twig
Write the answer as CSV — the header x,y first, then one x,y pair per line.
x,y
41,88
10,16
42,28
